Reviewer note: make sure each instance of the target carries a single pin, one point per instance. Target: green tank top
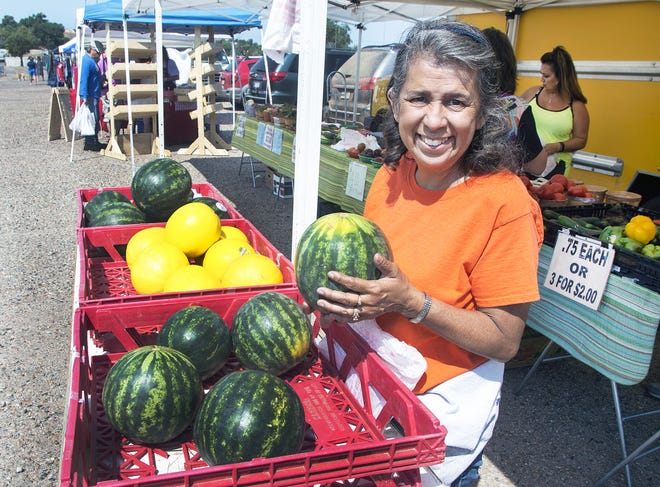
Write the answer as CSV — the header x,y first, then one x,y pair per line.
x,y
553,126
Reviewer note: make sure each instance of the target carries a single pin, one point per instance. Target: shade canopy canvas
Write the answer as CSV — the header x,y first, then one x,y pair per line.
x,y
357,12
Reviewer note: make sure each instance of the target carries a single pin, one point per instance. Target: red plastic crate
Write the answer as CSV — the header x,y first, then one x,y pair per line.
x,y
202,189
104,278
348,437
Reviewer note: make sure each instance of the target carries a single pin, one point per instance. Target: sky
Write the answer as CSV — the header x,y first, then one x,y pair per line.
x,y
64,12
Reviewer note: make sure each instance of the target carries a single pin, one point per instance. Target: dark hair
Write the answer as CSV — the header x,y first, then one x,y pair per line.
x,y
507,76
562,65
459,45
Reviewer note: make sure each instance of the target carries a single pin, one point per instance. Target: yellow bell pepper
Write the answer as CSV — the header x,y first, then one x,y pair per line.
x,y
641,228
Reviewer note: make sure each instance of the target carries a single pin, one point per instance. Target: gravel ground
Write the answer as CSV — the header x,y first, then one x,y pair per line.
x,y
559,432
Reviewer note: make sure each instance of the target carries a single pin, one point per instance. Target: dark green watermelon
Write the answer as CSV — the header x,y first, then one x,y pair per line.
x,y
271,332
161,186
343,242
201,334
117,213
100,200
215,205
249,414
151,394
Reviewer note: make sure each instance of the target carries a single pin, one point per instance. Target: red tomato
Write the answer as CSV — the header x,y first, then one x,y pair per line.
x,y
578,190
559,197
561,179
556,187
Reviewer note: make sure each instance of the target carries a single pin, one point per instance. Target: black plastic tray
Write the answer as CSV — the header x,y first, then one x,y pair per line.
x,y
636,267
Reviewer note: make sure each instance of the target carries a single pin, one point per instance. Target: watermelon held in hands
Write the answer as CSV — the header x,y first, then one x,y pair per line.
x,y
116,213
343,242
201,334
249,414
151,394
271,332
161,186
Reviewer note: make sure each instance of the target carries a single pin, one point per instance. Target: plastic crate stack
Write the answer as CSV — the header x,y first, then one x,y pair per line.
x,y
374,433
636,267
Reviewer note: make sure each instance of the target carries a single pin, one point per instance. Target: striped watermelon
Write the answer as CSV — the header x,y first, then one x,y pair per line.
x,y
201,334
249,414
343,242
100,200
116,213
215,205
270,332
151,394
161,186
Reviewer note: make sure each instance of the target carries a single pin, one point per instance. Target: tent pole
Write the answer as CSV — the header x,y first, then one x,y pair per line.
x,y
128,91
356,81
233,81
308,121
81,43
159,78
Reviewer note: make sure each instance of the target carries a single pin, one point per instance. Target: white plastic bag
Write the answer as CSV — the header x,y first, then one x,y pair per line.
x,y
83,122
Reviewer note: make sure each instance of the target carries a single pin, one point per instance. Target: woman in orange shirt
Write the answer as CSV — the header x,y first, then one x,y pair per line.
x,y
464,235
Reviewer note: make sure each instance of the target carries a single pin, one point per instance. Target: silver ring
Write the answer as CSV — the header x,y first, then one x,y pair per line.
x,y
356,314
359,303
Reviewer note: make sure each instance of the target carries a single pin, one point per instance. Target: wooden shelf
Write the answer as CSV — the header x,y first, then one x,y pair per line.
x,y
137,71
120,112
138,92
136,50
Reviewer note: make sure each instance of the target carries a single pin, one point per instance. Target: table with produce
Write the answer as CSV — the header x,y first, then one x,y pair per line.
x,y
190,349
631,232
334,165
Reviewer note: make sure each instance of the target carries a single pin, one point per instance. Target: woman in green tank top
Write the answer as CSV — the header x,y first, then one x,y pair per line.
x,y
559,107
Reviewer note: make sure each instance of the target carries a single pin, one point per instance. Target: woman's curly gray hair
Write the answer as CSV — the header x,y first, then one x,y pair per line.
x,y
462,46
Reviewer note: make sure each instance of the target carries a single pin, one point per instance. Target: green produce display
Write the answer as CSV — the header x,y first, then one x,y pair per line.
x,y
344,242
611,234
116,213
151,394
100,200
161,186
249,414
201,334
271,332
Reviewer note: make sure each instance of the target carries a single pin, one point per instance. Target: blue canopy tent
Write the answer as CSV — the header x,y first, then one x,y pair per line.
x,y
223,21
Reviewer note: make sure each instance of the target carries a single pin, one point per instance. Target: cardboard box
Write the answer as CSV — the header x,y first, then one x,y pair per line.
x,y
282,186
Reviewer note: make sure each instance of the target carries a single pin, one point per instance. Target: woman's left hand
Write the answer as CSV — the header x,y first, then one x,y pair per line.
x,y
367,299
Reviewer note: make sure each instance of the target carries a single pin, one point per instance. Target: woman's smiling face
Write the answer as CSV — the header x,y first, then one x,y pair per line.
x,y
438,113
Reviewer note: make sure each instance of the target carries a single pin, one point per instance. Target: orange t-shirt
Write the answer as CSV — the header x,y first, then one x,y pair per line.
x,y
473,245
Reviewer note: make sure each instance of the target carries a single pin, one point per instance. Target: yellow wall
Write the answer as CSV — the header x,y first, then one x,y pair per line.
x,y
625,115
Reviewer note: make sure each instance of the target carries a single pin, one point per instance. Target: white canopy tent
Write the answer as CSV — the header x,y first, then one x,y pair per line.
x,y
313,17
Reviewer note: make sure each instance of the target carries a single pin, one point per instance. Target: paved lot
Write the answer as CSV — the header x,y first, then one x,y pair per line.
x,y
559,432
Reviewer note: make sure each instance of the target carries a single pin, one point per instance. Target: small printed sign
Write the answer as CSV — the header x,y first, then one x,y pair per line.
x,y
356,179
261,128
240,126
268,137
580,268
278,137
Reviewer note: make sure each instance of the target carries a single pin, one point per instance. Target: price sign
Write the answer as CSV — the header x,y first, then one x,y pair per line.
x,y
240,126
269,133
579,269
357,176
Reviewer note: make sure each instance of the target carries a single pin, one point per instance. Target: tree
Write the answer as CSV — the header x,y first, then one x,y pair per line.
x,y
19,41
337,35
35,28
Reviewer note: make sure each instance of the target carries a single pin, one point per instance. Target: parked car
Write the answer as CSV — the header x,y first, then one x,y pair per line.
x,y
229,88
376,65
284,77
